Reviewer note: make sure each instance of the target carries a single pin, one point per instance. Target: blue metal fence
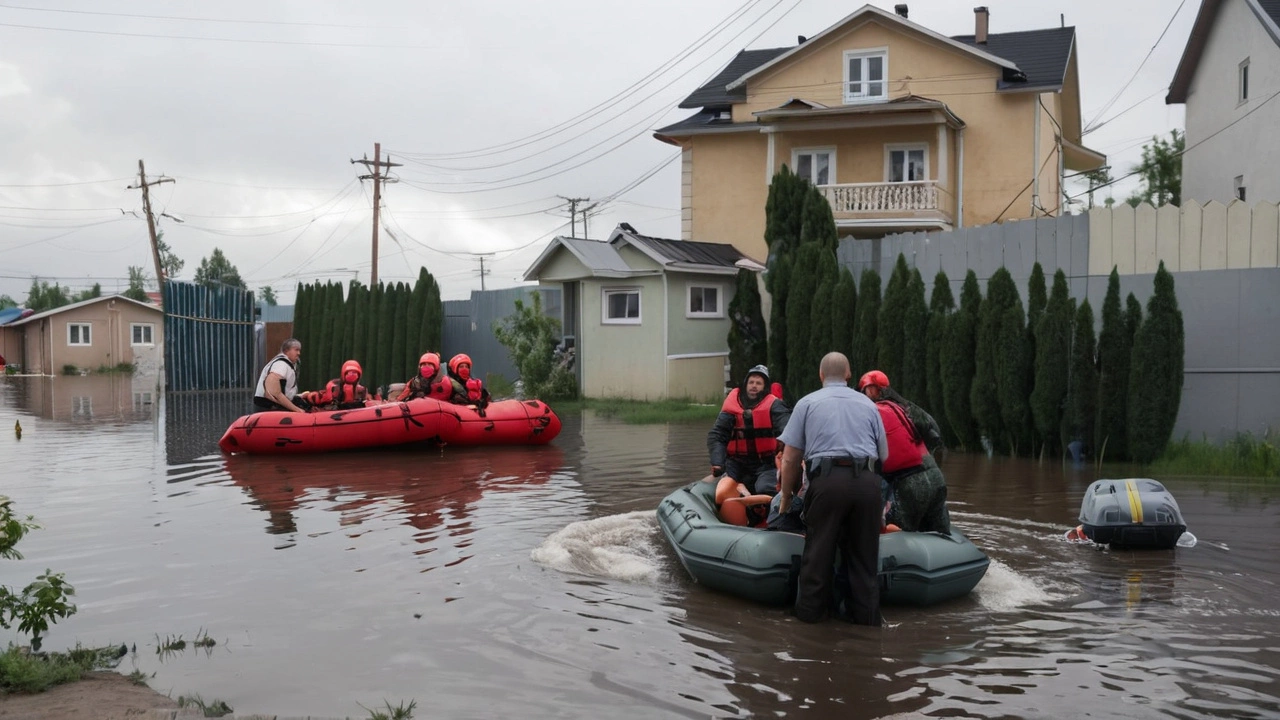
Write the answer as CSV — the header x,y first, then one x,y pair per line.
x,y
209,343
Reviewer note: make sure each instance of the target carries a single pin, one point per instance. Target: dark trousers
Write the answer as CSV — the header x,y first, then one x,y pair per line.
x,y
842,511
760,477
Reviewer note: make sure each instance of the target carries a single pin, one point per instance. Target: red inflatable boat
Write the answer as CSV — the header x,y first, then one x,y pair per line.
x,y
507,422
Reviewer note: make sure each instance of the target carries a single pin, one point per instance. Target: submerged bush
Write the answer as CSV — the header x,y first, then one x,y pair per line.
x,y
1244,454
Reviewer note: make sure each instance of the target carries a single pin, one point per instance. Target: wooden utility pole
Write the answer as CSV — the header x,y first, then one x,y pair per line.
x,y
573,213
145,185
483,271
378,177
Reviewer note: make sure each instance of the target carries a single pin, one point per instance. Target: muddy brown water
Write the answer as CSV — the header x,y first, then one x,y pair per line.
x,y
333,580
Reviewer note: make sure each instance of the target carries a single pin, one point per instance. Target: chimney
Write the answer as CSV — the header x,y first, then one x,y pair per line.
x,y
800,39
901,9
981,19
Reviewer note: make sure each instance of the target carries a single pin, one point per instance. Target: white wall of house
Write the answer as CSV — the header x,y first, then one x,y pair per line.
x,y
1250,149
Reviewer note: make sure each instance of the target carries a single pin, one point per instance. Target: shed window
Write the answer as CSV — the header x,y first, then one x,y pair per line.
x,y
621,306
79,334
704,302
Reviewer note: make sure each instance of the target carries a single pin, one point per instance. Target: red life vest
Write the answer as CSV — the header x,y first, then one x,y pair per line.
x,y
340,394
753,434
906,450
474,387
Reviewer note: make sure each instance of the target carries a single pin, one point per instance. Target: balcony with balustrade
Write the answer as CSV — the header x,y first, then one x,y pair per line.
x,y
921,204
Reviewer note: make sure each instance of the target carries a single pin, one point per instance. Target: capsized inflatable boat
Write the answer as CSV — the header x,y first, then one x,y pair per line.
x,y
506,422
762,565
1132,513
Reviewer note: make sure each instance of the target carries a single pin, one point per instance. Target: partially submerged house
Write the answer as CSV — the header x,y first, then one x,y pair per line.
x,y
99,332
647,317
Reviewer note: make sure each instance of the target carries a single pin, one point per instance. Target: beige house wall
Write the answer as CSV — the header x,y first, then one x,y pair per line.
x,y
47,351
563,267
727,174
623,361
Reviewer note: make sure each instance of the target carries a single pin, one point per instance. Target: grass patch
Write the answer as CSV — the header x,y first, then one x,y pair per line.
x,y
1242,456
400,712
213,708
23,671
137,677
640,412
122,368
499,386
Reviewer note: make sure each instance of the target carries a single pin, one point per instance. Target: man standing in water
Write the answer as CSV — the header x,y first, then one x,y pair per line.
x,y
839,434
277,387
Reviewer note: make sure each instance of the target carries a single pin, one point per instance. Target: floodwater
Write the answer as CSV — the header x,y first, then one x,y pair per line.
x,y
533,582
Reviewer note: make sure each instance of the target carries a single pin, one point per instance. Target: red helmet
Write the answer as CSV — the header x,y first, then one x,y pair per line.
x,y
351,365
873,377
429,359
457,360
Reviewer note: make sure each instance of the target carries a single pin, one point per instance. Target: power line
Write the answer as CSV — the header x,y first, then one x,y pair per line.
x,y
1145,58
1122,112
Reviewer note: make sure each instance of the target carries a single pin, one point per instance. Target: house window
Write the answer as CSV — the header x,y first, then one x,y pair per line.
x,y
1243,84
621,306
704,302
79,334
141,334
906,163
864,76
817,165
1240,189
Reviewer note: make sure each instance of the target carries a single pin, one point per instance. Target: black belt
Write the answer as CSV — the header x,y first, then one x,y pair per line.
x,y
817,466
851,462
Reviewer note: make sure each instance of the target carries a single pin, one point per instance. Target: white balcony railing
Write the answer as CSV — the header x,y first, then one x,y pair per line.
x,y
882,197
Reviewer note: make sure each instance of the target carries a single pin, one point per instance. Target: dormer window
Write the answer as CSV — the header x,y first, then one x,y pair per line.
x,y
864,76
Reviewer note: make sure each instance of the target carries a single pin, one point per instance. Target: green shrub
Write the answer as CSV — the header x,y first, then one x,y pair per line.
x,y
70,370
748,339
24,671
45,599
958,363
1052,364
1242,455
1082,390
865,325
1155,382
530,338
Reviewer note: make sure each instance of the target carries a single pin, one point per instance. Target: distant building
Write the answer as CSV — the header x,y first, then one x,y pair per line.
x,y
102,331
1229,78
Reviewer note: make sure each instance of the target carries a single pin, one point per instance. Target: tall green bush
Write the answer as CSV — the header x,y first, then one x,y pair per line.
x,y
373,336
748,343
1012,362
801,373
301,310
780,275
844,304
866,322
959,364
784,213
891,329
399,335
1155,383
1052,364
941,304
1037,299
820,320
1082,389
1002,294
1114,347
530,338
913,383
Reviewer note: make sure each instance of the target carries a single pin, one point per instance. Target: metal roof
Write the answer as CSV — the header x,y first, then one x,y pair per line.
x,y
686,255
599,257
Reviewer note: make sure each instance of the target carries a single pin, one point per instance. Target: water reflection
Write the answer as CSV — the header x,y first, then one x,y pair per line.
x,y
106,398
425,485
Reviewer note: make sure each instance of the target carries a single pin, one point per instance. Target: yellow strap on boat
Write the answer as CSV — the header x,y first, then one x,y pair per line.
x,y
1135,501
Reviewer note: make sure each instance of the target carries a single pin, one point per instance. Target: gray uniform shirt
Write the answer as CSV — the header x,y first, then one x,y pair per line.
x,y
836,421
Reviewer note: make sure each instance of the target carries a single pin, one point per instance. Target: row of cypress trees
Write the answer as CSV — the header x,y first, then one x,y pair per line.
x,y
1030,379
385,328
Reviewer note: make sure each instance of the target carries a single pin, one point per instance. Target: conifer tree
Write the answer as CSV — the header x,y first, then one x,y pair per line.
x,y
334,320
959,364
1036,301
801,376
784,212
844,303
301,298
1012,358
1155,383
820,320
358,300
1052,364
399,334
982,395
349,323
324,339
1082,391
913,342
433,319
413,326
374,337
1114,346
941,304
748,343
780,275
865,325
891,330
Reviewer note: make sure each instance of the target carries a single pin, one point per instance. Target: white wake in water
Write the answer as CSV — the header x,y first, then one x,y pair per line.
x,y
1003,589
620,547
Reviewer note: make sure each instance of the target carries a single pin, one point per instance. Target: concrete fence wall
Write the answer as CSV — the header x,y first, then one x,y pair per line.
x,y
1226,266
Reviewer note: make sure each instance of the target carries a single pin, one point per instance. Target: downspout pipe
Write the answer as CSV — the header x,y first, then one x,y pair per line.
x,y
960,178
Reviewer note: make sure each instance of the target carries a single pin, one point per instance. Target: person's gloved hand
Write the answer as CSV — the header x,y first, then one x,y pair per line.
x,y
717,470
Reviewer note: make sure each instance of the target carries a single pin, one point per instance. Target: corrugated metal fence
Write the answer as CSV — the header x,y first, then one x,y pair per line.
x,y
468,326
209,343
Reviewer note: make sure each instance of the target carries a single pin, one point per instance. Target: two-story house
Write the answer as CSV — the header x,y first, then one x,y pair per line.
x,y
901,128
1229,77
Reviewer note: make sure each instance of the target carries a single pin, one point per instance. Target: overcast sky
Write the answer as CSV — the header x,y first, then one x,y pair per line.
x,y
257,108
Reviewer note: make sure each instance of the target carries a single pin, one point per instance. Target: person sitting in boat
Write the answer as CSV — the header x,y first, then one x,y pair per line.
x,y
428,383
743,443
738,506
277,387
917,486
343,392
466,390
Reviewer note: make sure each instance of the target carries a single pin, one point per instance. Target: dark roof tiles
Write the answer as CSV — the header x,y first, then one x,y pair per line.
x,y
689,251
713,93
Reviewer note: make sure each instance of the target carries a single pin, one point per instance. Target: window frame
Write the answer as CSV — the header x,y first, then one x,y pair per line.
x,y
150,332
607,292
863,56
1242,82
1239,189
718,314
815,151
890,148
86,334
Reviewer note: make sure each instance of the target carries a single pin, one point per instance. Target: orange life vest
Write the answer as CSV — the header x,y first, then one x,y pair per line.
x,y
753,434
342,394
906,450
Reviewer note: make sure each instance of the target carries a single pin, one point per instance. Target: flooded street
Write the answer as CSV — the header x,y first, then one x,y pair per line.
x,y
332,580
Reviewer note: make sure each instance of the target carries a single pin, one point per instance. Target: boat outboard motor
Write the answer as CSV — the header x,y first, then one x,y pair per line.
x,y
1132,513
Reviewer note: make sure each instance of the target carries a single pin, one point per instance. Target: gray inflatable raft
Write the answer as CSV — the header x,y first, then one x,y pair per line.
x,y
761,565
1133,513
